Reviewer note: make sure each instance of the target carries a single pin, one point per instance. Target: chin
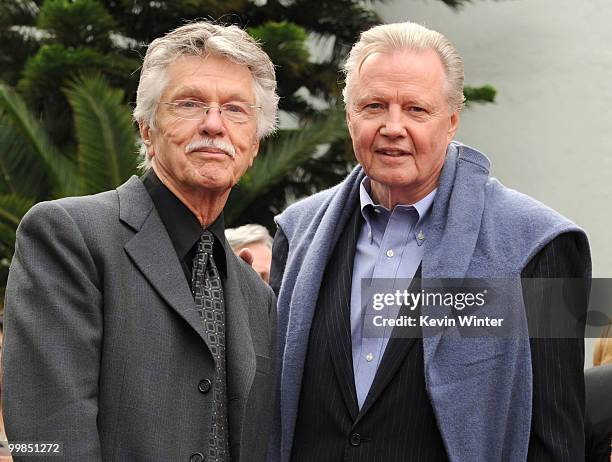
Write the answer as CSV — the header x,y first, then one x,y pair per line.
x,y
395,181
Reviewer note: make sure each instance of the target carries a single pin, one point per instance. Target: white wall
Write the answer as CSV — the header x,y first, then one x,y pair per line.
x,y
548,135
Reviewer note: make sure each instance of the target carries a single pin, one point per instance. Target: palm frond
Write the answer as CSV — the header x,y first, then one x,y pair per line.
x,y
30,165
105,134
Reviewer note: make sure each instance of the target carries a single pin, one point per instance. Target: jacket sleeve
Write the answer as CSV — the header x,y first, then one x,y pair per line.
x,y
53,331
557,425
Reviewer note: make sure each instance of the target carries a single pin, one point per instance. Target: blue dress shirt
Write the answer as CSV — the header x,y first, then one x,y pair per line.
x,y
389,245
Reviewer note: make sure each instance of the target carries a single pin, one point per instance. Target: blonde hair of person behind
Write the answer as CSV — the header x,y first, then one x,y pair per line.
x,y
603,348
387,38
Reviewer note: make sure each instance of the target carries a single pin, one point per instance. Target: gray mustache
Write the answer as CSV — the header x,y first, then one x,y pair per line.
x,y
211,143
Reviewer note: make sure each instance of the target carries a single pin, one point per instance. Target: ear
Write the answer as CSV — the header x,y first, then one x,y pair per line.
x,y
348,122
453,126
145,134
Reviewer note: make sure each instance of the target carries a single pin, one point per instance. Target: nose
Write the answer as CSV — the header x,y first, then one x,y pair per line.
x,y
212,124
393,126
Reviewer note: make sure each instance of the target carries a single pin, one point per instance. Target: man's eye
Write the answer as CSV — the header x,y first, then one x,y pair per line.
x,y
416,109
235,108
187,104
374,107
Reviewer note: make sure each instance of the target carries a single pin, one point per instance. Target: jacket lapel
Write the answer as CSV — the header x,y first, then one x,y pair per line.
x,y
152,252
395,353
338,309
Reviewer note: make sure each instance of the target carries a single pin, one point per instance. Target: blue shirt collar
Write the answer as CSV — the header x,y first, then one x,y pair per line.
x,y
422,206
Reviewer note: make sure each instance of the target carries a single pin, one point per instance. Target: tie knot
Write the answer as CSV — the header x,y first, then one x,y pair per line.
x,y
206,242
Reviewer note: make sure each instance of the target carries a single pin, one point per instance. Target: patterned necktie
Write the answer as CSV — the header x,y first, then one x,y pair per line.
x,y
208,295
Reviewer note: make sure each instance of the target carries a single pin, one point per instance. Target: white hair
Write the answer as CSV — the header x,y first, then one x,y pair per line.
x,y
248,234
388,38
204,39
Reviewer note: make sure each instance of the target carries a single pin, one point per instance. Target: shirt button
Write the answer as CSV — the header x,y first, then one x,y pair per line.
x,y
369,357
390,253
197,457
355,439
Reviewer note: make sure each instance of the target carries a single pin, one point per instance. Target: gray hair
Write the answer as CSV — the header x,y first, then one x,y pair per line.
x,y
248,234
387,38
203,39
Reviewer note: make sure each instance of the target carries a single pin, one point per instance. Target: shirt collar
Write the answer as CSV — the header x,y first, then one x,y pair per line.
x,y
183,227
422,206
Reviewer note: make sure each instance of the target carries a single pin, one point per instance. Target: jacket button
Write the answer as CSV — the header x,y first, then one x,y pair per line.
x,y
355,439
197,457
204,386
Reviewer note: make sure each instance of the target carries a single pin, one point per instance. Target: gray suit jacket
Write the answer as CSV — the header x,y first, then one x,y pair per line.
x,y
104,351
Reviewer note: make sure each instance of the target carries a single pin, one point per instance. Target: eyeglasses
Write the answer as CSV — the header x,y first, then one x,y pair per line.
x,y
188,109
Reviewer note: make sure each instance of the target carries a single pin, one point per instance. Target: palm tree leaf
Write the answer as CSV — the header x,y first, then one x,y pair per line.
x,y
30,165
105,134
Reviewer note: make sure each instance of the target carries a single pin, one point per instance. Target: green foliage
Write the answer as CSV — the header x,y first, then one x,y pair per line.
x,y
28,160
483,94
53,64
77,23
342,19
33,168
145,20
51,68
12,209
104,133
15,44
285,43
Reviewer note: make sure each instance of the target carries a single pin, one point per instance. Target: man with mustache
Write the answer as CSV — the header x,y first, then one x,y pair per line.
x,y
419,205
133,332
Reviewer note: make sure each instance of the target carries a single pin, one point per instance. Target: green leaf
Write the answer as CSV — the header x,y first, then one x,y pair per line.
x,y
285,43
76,23
104,132
30,165
483,94
51,65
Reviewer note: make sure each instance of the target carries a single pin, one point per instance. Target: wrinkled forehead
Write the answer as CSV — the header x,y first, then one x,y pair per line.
x,y
400,65
208,78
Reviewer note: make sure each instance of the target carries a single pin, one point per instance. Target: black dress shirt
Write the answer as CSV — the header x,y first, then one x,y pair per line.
x,y
183,227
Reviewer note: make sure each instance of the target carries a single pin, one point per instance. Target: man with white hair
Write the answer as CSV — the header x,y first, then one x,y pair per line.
x,y
419,205
255,241
133,332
